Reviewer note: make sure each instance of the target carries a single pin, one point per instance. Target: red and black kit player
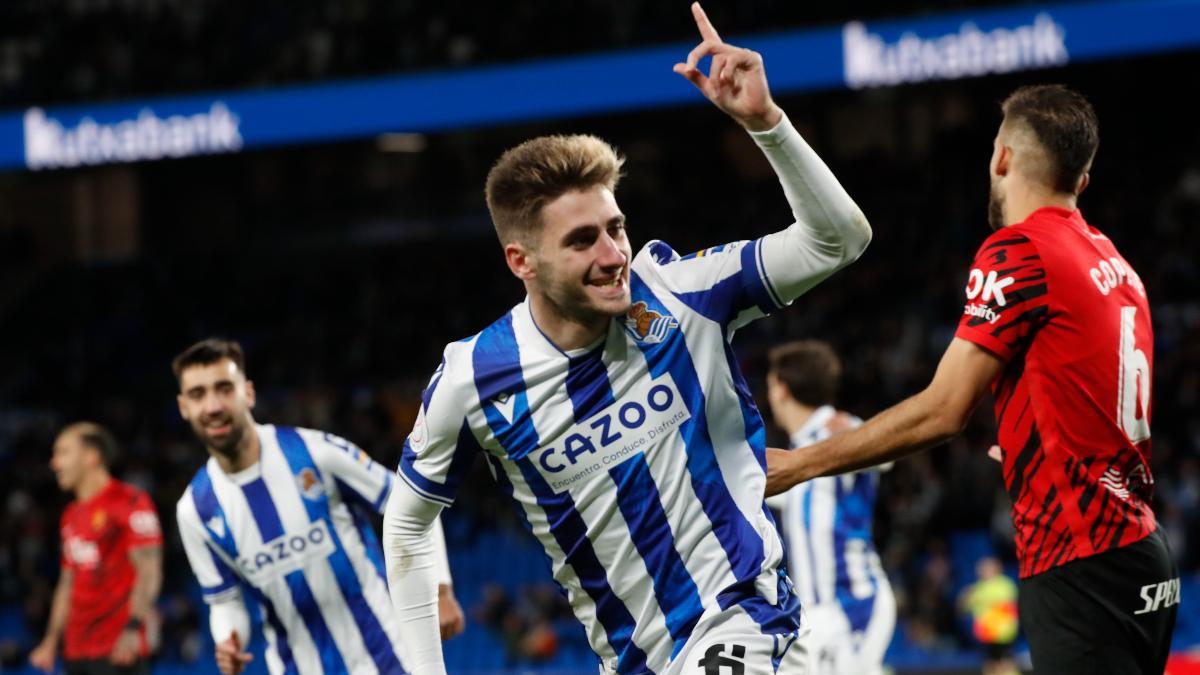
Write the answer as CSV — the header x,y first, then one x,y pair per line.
x,y
111,563
1056,323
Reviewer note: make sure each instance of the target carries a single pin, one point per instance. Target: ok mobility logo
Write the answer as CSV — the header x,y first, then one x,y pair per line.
x,y
871,61
50,144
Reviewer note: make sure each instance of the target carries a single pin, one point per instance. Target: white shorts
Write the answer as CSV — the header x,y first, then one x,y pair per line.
x,y
836,649
731,643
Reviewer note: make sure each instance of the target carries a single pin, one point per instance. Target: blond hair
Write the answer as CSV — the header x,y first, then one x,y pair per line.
x,y
538,171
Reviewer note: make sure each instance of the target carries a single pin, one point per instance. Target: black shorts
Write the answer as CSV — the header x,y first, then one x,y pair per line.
x,y
104,667
1113,612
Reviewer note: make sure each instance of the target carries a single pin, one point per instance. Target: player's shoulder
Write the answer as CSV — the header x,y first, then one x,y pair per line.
x,y
456,374
657,253
315,438
129,495
200,486
1019,242
1050,227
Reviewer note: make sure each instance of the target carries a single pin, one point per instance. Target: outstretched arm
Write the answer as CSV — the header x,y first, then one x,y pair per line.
x,y
932,416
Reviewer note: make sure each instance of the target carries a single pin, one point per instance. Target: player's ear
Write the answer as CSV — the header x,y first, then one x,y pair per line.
x,y
250,395
1003,157
182,408
520,261
1082,183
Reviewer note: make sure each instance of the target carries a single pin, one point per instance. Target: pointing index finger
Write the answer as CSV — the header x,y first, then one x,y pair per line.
x,y
706,28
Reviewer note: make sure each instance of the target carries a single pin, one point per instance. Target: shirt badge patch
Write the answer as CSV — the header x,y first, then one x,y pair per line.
x,y
647,325
310,485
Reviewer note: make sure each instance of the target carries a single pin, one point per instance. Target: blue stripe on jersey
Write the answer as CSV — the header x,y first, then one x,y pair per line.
x,y
208,507
427,395
718,303
374,636
506,486
362,523
383,495
497,364
641,506
746,287
739,539
764,282
262,506
443,493
785,615
587,384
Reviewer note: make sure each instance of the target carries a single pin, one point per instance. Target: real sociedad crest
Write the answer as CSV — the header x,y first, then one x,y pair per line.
x,y
647,325
310,485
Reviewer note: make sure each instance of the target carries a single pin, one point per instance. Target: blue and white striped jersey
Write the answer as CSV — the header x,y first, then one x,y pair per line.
x,y
284,533
827,525
638,464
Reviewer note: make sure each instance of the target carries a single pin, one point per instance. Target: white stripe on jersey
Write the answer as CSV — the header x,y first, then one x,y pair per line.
x,y
284,529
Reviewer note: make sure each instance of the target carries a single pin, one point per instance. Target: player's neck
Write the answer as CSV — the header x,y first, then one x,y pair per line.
x,y
245,455
792,415
92,484
566,332
1025,197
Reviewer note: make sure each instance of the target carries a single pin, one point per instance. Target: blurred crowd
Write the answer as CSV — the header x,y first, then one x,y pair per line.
x,y
54,51
344,270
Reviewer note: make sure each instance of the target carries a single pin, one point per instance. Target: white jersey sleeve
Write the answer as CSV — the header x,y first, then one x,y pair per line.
x,y
218,581
439,451
737,282
437,455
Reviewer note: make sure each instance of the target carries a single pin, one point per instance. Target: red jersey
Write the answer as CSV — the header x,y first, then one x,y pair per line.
x,y
1053,298
97,536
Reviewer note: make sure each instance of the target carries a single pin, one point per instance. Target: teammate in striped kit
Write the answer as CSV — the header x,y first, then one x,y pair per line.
x,y
278,513
609,404
826,522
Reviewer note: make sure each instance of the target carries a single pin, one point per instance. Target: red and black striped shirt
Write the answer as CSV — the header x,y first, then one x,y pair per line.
x,y
1053,298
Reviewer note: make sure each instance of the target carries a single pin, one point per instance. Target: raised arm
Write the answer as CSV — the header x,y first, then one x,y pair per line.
x,y
830,230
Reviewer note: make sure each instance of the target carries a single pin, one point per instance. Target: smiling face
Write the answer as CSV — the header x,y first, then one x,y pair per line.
x,y
216,398
575,266
581,262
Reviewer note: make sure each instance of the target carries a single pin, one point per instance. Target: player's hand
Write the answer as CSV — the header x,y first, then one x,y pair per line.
x,y
42,657
125,649
230,657
996,453
736,81
450,614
